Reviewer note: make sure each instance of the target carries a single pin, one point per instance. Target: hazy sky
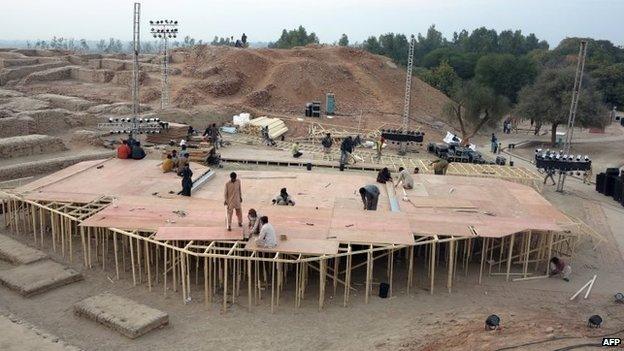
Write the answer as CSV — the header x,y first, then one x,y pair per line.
x,y
263,20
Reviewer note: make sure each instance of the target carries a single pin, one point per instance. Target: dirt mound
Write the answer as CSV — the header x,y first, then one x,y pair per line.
x,y
282,81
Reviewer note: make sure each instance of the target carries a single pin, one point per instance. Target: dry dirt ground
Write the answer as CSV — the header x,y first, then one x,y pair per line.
x,y
532,311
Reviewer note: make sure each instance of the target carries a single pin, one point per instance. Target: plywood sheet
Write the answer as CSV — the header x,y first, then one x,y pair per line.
x,y
371,227
198,233
296,246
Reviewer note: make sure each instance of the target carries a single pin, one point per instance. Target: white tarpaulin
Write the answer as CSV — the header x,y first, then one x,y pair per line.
x,y
449,139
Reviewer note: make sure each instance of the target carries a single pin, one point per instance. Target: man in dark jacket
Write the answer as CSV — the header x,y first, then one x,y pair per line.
x,y
137,151
370,197
346,148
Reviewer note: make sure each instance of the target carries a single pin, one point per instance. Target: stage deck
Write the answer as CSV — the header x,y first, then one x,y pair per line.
x,y
87,181
328,205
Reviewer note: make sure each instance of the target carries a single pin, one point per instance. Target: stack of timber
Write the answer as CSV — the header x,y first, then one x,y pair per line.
x,y
277,127
197,154
176,132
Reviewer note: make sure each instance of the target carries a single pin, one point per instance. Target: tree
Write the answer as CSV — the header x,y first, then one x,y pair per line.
x,y
442,78
505,73
548,100
372,45
610,82
344,40
475,106
293,38
84,46
463,63
101,45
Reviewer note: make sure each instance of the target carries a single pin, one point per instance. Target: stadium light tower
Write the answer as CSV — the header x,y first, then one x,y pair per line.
x,y
164,30
135,125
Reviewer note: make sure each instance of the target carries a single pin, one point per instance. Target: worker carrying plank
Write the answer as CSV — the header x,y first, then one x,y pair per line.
x,y
370,197
233,199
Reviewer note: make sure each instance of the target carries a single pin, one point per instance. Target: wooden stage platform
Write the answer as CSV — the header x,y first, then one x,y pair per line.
x,y
104,201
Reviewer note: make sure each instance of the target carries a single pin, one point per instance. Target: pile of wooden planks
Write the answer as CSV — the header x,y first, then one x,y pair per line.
x,y
198,154
176,132
277,127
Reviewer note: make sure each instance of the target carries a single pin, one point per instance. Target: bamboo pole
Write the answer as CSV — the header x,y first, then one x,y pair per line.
x,y
484,248
526,257
511,244
132,261
225,267
272,286
249,277
550,244
432,266
368,276
116,255
449,278
410,275
147,266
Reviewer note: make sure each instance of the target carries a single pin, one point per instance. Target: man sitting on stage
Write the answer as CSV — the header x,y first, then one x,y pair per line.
x,y
267,237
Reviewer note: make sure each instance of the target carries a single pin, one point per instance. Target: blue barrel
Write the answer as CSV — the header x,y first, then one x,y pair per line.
x,y
331,104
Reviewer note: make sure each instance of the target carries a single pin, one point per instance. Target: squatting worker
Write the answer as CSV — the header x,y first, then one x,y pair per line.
x,y
370,197
267,236
167,165
233,199
558,266
254,222
405,178
123,151
439,166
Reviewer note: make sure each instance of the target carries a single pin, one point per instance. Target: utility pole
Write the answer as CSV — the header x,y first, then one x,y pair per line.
x,y
408,93
136,37
165,30
578,81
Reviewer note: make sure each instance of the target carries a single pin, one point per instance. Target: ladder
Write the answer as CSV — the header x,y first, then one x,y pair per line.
x,y
578,81
136,38
408,93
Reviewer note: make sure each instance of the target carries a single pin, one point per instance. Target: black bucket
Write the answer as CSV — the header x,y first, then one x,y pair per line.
x,y
309,166
384,288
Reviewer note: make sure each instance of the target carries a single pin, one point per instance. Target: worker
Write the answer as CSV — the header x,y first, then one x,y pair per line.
x,y
558,266
213,158
183,148
550,174
137,151
175,159
253,226
216,136
283,199
167,165
183,161
370,197
267,237
405,179
493,143
384,176
296,153
187,180
327,143
587,176
379,144
233,198
439,166
416,170
346,148
123,151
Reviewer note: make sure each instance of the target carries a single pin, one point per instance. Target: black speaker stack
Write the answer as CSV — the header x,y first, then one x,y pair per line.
x,y
402,136
313,109
611,183
550,160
